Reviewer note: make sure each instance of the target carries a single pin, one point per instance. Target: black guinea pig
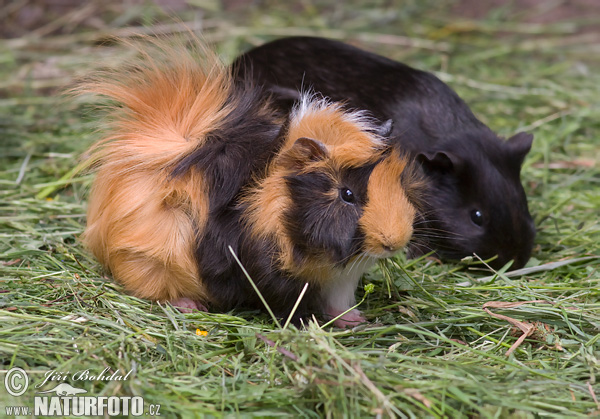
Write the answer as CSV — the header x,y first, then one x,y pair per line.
x,y
475,200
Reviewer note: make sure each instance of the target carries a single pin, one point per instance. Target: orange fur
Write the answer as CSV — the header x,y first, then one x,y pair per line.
x,y
141,228
142,224
346,131
346,140
263,217
387,220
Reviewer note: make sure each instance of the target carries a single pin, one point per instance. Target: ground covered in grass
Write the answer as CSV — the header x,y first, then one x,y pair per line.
x,y
438,337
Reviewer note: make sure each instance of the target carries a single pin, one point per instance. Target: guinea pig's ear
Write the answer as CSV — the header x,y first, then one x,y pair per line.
x,y
385,129
303,152
439,161
519,145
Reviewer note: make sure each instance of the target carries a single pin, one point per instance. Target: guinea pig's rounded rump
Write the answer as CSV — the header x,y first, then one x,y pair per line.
x,y
143,228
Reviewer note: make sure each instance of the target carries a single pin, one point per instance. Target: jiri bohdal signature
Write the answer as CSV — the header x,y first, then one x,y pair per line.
x,y
85,375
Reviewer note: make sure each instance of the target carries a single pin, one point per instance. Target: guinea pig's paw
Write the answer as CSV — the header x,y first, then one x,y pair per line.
x,y
350,319
187,305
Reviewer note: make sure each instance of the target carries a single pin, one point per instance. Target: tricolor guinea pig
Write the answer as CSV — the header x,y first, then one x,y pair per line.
x,y
193,165
474,201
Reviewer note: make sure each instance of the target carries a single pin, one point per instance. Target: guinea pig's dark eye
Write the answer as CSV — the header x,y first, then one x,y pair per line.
x,y
347,196
477,217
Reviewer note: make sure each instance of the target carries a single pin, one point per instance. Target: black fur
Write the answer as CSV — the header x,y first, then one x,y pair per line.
x,y
319,224
225,281
467,166
224,157
229,159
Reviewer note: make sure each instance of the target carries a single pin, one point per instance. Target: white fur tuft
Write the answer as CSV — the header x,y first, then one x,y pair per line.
x,y
312,102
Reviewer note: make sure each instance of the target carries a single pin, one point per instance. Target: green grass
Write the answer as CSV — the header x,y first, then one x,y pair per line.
x,y
430,349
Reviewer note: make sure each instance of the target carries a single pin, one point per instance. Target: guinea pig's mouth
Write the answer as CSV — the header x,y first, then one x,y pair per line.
x,y
383,251
385,244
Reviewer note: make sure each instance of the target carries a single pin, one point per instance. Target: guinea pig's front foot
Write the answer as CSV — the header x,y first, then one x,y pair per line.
x,y
187,305
350,319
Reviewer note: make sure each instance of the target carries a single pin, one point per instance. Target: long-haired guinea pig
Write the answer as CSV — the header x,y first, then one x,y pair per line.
x,y
475,202
192,164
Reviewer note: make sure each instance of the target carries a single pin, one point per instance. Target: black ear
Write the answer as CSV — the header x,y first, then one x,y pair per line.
x,y
304,151
519,145
439,161
385,129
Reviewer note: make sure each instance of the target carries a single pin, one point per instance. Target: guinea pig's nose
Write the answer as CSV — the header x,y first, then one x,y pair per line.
x,y
388,248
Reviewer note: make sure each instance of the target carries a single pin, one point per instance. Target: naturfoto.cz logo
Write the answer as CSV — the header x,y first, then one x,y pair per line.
x,y
65,399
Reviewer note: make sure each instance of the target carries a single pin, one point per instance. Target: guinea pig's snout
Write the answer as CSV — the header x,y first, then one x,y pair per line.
x,y
400,239
388,243
518,245
388,217
388,248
